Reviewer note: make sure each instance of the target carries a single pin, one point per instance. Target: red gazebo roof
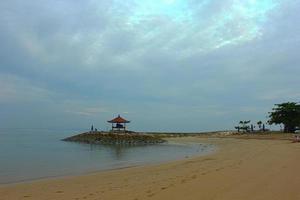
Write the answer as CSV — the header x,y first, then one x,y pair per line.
x,y
118,120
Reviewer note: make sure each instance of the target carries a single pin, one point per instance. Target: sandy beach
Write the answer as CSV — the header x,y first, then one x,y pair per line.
x,y
239,169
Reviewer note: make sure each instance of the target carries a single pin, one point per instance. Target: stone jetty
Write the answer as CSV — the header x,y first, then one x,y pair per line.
x,y
116,138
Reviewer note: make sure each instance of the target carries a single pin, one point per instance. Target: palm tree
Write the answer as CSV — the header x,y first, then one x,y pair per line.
x,y
259,123
244,125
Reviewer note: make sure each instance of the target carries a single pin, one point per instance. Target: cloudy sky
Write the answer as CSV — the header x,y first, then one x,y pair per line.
x,y
166,65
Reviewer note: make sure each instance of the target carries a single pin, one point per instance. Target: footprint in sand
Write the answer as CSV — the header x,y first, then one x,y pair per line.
x,y
194,177
148,191
150,195
164,188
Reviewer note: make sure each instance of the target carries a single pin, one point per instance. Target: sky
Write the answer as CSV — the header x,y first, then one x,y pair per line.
x,y
166,65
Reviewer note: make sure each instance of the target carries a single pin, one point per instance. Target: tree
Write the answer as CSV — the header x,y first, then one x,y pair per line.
x,y
259,123
252,128
243,126
287,114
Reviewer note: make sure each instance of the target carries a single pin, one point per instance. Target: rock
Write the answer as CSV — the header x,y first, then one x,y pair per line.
x,y
119,138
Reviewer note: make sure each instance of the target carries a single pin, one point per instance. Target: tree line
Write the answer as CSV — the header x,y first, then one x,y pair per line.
x,y
286,114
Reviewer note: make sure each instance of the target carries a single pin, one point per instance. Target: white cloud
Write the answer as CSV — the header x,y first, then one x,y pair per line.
x,y
86,111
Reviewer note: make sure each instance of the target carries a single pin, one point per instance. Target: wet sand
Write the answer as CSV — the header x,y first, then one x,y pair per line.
x,y
239,169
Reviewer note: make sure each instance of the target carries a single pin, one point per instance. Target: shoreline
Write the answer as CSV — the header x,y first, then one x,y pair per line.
x,y
170,141
240,169
71,175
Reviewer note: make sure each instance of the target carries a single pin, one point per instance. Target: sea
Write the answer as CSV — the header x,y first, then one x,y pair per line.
x,y
31,154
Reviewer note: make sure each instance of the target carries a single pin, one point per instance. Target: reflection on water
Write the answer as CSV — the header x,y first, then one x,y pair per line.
x,y
116,151
32,154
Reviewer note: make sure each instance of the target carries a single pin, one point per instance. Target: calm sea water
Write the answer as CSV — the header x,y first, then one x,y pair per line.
x,y
33,154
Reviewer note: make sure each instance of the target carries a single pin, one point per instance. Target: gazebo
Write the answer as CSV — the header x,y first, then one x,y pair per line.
x,y
118,123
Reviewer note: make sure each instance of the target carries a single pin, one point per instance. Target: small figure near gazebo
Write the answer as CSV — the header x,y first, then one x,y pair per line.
x,y
118,123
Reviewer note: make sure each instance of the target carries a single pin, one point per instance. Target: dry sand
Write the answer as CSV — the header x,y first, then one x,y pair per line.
x,y
241,169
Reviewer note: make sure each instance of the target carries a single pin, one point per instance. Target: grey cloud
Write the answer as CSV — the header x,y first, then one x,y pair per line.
x,y
88,55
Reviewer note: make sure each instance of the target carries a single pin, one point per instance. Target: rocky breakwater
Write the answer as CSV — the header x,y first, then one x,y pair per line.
x,y
120,138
